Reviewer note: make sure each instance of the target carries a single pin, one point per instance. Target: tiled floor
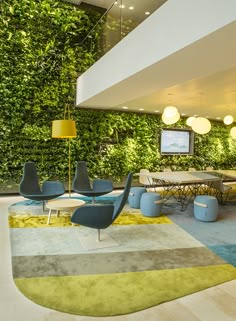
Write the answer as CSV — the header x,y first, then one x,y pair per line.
x,y
214,304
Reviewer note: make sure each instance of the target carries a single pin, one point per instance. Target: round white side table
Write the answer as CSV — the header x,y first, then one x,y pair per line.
x,y
67,204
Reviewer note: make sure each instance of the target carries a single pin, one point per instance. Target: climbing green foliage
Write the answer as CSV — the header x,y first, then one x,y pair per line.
x,y
41,56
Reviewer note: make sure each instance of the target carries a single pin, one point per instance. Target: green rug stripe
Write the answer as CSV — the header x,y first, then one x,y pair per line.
x,y
106,263
121,293
25,220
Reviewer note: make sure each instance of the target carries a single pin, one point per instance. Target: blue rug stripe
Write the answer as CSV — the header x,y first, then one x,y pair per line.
x,y
227,252
102,199
211,233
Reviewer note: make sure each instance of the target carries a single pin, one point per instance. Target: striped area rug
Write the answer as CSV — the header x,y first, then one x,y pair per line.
x,y
156,261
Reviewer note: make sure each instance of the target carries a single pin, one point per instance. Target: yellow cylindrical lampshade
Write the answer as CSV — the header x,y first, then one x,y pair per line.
x,y
63,128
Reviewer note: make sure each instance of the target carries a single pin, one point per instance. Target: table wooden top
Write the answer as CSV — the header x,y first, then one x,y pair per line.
x,y
182,176
66,204
227,172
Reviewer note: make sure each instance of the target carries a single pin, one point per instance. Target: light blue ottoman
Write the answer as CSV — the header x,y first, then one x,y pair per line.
x,y
135,196
206,208
151,204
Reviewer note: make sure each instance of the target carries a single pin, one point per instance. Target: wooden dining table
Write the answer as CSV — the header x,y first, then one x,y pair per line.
x,y
183,186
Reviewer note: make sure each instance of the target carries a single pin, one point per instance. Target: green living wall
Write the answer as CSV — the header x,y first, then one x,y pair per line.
x,y
115,143
40,58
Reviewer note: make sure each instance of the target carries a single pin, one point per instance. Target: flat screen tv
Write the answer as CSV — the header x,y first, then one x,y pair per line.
x,y
177,142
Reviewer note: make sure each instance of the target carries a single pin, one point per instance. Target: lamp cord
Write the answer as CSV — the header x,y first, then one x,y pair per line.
x,y
67,110
69,169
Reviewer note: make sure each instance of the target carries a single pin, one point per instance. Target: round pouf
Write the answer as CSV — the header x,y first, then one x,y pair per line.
x,y
151,204
135,196
206,208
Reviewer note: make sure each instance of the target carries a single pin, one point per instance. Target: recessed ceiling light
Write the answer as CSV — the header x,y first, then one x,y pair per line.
x,y
218,117
147,13
125,107
141,109
156,111
183,114
116,2
131,7
122,6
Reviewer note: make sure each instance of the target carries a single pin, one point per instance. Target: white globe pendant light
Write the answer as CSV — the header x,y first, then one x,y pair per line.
x,y
170,120
201,125
170,111
233,132
228,119
190,120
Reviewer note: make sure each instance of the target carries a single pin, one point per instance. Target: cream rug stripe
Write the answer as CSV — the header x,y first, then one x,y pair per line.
x,y
57,241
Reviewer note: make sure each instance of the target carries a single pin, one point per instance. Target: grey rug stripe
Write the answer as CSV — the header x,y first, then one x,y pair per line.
x,y
107,263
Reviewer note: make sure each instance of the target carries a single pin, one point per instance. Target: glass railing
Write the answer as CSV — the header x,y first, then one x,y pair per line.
x,y
118,21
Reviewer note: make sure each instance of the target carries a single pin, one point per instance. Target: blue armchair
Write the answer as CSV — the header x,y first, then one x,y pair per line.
x,y
102,215
81,183
29,186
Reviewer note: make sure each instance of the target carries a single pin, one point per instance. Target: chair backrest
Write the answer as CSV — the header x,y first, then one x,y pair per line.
x,y
145,180
218,185
122,198
29,182
81,179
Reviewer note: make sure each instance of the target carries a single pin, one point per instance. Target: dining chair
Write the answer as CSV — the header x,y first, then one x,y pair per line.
x,y
145,180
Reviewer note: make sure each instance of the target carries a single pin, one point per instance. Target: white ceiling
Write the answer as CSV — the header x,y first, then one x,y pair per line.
x,y
99,3
199,80
213,96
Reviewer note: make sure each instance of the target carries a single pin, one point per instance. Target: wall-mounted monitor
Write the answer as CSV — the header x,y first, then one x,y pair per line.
x,y
177,142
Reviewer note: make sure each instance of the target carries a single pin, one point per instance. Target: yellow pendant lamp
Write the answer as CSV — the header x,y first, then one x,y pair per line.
x,y
65,128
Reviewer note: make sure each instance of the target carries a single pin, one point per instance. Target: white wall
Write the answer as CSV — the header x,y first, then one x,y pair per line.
x,y
177,24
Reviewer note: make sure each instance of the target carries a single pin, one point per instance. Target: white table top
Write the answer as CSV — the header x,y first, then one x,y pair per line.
x,y
228,172
182,176
66,204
